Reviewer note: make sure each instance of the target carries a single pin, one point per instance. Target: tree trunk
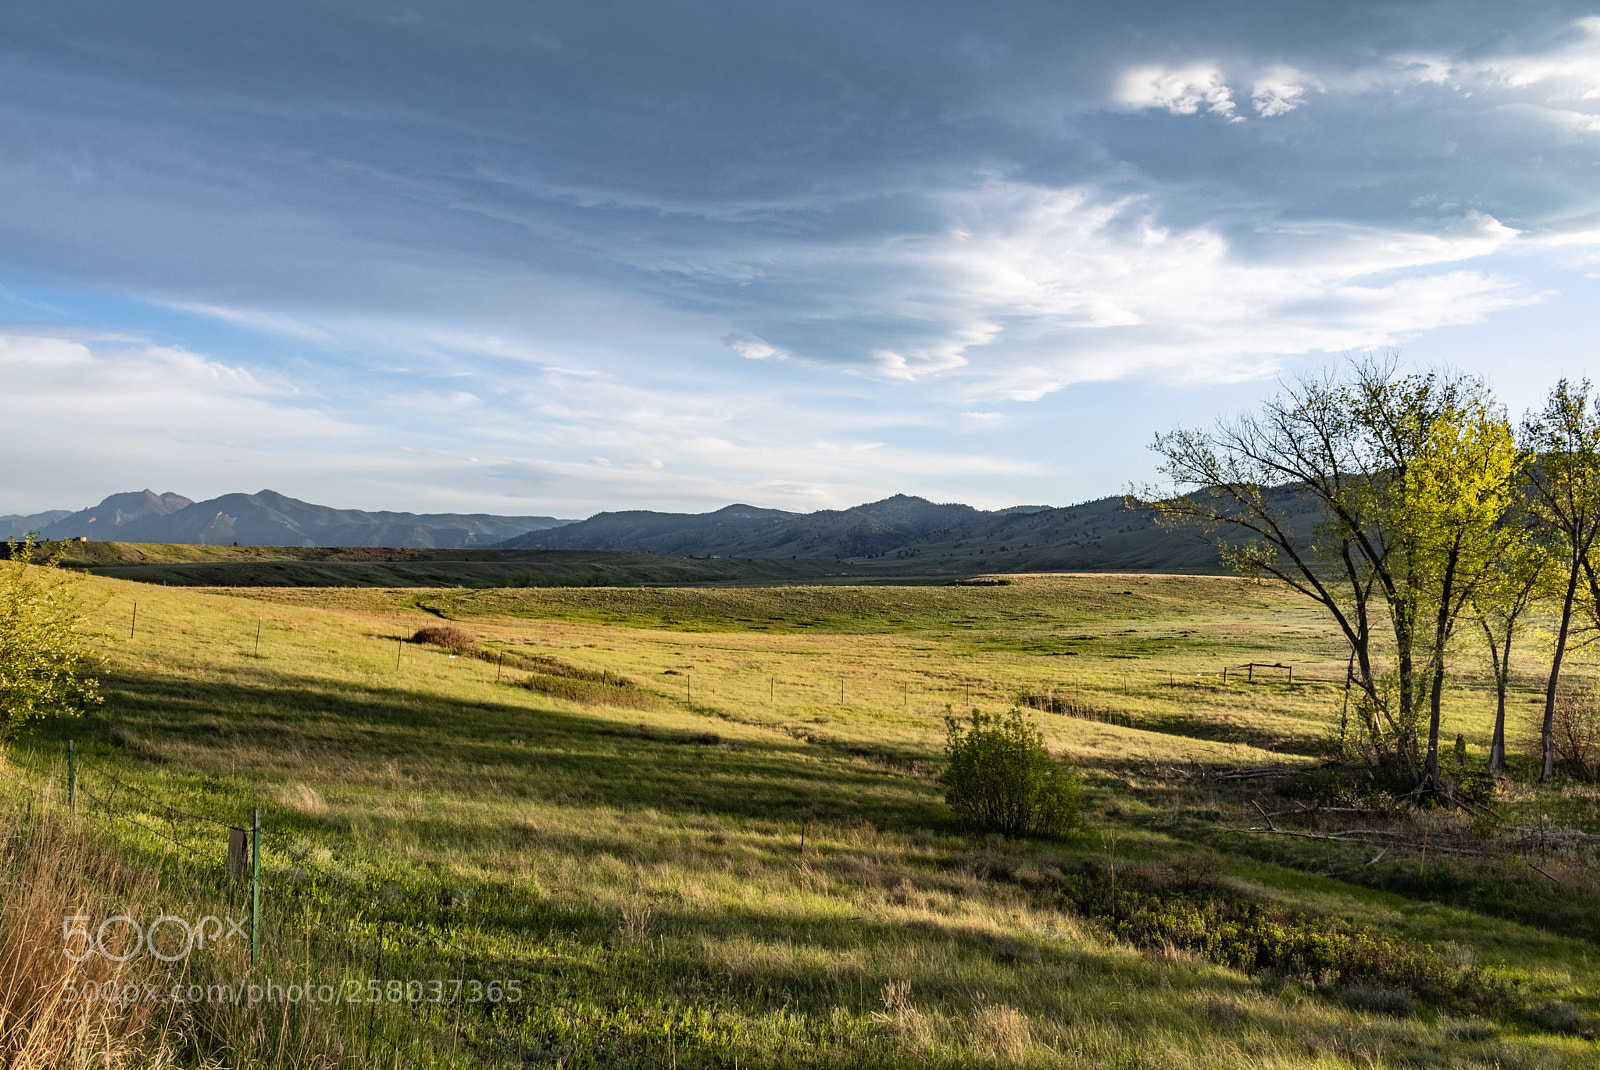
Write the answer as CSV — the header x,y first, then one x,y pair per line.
x,y
1547,737
1500,659
1441,633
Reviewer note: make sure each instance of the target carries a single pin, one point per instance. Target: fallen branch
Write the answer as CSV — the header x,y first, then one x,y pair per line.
x,y
1264,814
1252,774
1347,837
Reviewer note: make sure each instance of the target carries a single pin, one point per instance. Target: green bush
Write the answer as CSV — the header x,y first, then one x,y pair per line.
x,y
42,640
1001,778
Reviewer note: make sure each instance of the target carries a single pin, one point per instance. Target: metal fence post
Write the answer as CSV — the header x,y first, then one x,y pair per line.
x,y
255,892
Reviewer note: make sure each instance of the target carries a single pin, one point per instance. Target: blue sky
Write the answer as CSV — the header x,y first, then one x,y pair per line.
x,y
559,258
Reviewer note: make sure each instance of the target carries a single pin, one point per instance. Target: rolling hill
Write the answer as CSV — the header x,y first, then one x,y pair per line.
x,y
905,534
268,518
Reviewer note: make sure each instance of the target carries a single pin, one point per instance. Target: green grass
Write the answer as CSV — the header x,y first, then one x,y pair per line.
x,y
641,869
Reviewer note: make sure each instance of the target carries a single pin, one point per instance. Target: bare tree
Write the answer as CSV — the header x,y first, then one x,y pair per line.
x,y
1565,492
1321,489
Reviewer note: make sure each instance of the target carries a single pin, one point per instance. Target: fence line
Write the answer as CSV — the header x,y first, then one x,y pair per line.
x,y
116,816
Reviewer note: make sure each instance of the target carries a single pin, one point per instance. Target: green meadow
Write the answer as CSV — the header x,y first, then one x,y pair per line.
x,y
701,827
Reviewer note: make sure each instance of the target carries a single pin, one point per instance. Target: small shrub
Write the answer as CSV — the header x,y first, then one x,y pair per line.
x,y
447,636
1575,731
1555,1016
1001,778
1379,999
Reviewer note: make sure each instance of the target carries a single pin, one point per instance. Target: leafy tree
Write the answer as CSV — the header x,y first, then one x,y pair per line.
x,y
1565,493
1002,778
1313,490
41,639
1285,493
1452,506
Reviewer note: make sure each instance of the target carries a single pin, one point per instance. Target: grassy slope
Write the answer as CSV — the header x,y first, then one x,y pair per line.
x,y
649,885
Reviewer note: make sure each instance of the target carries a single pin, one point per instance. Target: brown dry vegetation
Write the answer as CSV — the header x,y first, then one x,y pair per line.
x,y
51,870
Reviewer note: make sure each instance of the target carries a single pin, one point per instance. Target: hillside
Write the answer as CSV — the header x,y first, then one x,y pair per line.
x,y
17,525
905,535
268,518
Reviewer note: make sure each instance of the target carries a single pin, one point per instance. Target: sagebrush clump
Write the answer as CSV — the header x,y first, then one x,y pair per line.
x,y
447,636
1002,779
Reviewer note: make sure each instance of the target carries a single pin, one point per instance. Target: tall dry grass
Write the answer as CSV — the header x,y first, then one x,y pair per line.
x,y
49,869
53,867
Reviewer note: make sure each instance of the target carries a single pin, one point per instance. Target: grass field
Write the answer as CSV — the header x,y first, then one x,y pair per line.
x,y
700,827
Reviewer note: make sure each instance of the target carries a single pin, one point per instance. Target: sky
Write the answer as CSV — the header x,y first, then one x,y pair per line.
x,y
558,258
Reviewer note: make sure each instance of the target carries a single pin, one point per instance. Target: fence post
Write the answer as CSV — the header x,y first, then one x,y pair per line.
x,y
72,775
255,891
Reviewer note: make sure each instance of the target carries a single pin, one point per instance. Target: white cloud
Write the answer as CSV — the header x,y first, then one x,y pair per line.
x,y
913,363
1184,91
1277,93
118,414
1044,288
752,347
1569,71
1559,85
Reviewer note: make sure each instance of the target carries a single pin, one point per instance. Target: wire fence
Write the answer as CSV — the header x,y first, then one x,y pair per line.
x,y
286,884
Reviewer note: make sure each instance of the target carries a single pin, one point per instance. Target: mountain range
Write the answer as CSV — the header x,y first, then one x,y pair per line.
x,y
265,519
898,535
901,534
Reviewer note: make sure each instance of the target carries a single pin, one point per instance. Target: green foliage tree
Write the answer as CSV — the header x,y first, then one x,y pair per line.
x,y
1509,589
42,642
1001,777
1315,490
1451,509
1565,499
